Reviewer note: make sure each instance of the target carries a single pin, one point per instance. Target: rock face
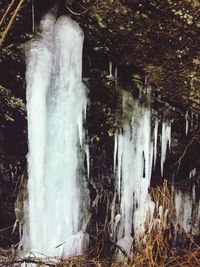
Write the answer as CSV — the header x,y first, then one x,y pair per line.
x,y
147,41
159,37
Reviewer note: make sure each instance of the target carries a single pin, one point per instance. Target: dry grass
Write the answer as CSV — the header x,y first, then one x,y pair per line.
x,y
143,258
165,257
158,250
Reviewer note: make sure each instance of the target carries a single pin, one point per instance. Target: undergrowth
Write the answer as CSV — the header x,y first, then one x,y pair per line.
x,y
157,248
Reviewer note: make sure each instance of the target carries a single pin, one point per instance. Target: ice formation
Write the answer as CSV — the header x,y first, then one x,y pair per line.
x,y
56,106
133,160
155,141
110,69
186,123
133,212
192,173
187,212
33,15
110,75
165,142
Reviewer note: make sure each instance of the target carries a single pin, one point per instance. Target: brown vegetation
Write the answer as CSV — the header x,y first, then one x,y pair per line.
x,y
156,251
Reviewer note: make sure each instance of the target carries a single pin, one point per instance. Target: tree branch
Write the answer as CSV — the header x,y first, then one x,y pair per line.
x,y
7,10
179,161
5,33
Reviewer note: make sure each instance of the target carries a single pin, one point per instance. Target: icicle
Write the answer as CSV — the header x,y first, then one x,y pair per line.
x,y
192,120
165,142
155,140
87,152
194,193
115,151
119,161
134,165
116,221
110,75
116,77
186,123
110,68
145,79
192,173
33,16
183,210
116,73
112,230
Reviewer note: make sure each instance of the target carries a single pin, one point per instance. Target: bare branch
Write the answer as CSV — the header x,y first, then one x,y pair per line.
x,y
179,161
7,10
5,33
83,12
7,228
75,13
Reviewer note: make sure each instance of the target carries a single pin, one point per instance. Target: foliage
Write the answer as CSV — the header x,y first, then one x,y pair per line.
x,y
9,105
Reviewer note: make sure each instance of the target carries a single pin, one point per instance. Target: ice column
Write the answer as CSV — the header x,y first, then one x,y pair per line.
x,y
165,142
133,167
56,104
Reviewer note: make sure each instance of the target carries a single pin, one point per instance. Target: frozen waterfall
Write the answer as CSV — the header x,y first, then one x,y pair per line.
x,y
133,161
134,211
56,104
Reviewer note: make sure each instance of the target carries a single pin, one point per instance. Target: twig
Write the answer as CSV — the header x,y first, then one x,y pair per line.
x,y
7,10
179,161
114,244
119,247
27,260
54,262
7,228
75,13
83,12
5,33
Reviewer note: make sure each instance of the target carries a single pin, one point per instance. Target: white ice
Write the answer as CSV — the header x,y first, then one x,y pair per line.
x,y
133,157
110,75
56,105
133,212
165,142
155,141
186,123
187,212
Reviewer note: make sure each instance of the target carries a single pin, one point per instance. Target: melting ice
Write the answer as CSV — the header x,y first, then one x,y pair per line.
x,y
56,106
